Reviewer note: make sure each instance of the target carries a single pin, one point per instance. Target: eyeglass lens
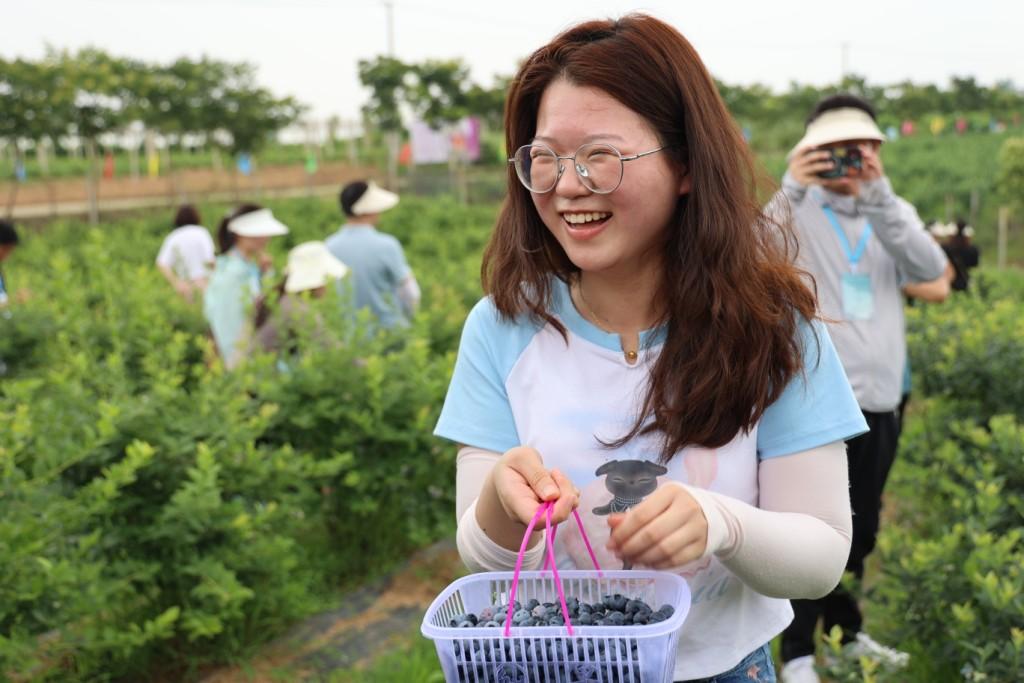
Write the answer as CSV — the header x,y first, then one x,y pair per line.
x,y
598,166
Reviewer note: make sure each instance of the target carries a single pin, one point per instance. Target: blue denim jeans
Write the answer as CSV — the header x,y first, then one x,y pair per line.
x,y
757,667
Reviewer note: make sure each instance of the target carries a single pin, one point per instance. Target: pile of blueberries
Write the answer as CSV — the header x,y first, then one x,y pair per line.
x,y
611,610
560,659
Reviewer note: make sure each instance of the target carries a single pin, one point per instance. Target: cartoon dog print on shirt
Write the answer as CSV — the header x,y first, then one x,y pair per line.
x,y
629,482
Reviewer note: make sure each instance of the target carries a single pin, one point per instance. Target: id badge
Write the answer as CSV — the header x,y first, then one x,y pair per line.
x,y
858,300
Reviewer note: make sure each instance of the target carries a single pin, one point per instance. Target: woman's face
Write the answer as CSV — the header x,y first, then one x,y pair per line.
x,y
617,233
251,245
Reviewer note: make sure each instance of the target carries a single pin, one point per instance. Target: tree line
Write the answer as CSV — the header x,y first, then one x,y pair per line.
x,y
84,95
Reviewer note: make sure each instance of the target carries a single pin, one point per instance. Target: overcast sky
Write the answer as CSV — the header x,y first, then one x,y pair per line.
x,y
309,48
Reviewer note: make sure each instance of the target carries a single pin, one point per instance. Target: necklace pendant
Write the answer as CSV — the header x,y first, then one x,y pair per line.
x,y
631,356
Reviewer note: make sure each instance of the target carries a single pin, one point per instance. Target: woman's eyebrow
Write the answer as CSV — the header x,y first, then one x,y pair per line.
x,y
589,138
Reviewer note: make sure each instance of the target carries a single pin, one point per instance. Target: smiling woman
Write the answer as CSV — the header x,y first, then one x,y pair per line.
x,y
647,352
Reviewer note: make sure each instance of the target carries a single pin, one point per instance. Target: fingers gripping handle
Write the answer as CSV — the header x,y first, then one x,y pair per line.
x,y
544,509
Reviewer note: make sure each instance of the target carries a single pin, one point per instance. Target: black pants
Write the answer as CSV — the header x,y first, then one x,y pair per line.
x,y
869,458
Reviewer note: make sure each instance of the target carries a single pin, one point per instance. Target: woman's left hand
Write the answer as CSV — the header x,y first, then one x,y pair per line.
x,y
266,262
667,529
871,168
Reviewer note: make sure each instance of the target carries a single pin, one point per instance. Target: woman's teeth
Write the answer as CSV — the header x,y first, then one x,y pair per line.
x,y
579,218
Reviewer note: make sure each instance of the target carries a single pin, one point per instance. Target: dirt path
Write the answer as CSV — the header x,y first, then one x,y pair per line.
x,y
363,625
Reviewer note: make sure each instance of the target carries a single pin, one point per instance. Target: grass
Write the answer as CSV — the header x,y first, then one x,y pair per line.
x,y
415,661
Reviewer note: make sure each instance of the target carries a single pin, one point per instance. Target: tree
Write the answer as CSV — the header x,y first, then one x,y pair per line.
x,y
438,91
1010,179
386,79
967,95
489,103
95,89
32,108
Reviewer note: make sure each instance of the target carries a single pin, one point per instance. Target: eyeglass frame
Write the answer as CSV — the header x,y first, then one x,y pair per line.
x,y
575,166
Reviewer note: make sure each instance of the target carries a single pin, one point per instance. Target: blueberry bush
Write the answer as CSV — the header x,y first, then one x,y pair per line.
x,y
160,513
950,584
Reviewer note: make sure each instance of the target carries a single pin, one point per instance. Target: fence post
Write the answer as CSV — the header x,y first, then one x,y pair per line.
x,y
1004,225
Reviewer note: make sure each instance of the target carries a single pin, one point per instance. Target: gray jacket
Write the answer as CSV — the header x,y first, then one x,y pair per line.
x,y
899,251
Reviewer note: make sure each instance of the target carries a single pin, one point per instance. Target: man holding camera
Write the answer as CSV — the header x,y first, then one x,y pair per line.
x,y
861,243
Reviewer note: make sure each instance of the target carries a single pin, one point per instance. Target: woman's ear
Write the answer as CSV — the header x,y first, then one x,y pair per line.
x,y
685,184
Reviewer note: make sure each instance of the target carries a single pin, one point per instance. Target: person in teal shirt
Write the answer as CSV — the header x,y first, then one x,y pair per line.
x,y
380,277
236,280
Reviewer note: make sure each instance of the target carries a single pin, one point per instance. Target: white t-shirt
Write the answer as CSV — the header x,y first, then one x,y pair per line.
x,y
188,251
521,384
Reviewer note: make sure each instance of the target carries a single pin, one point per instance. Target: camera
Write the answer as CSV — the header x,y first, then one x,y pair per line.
x,y
846,161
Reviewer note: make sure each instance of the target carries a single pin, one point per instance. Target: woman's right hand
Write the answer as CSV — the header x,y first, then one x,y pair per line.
x,y
523,483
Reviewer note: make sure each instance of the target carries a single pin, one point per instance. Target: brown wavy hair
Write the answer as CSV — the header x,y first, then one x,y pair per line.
x,y
733,297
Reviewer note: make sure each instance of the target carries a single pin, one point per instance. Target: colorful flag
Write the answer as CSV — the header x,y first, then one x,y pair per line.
x,y
108,166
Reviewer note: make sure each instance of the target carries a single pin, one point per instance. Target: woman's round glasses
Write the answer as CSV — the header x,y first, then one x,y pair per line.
x,y
598,165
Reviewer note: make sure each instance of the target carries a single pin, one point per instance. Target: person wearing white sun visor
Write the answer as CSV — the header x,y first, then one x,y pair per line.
x,y
381,279
237,277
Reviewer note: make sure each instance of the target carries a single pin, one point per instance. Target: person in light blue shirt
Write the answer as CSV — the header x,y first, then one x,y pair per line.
x,y
380,278
235,283
648,356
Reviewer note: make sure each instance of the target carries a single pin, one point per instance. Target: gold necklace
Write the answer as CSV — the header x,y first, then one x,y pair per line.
x,y
631,355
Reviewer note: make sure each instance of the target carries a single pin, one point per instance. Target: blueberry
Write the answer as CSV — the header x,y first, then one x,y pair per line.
x,y
615,619
633,606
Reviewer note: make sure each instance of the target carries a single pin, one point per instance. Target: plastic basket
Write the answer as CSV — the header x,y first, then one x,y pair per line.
x,y
556,654
548,654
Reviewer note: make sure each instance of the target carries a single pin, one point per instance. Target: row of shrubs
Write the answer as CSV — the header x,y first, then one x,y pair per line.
x,y
158,513
950,588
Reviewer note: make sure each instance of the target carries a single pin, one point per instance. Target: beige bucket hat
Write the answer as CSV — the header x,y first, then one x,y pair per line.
x,y
312,265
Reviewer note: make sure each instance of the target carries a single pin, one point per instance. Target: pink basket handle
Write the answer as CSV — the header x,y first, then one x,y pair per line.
x,y
545,509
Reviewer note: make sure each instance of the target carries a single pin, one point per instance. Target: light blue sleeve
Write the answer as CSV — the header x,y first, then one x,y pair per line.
x,y
226,303
477,410
817,407
398,268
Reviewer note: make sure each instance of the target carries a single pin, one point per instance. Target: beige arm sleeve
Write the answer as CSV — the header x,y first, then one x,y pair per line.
x,y
478,552
796,543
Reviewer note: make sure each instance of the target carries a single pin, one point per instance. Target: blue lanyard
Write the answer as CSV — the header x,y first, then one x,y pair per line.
x,y
852,255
